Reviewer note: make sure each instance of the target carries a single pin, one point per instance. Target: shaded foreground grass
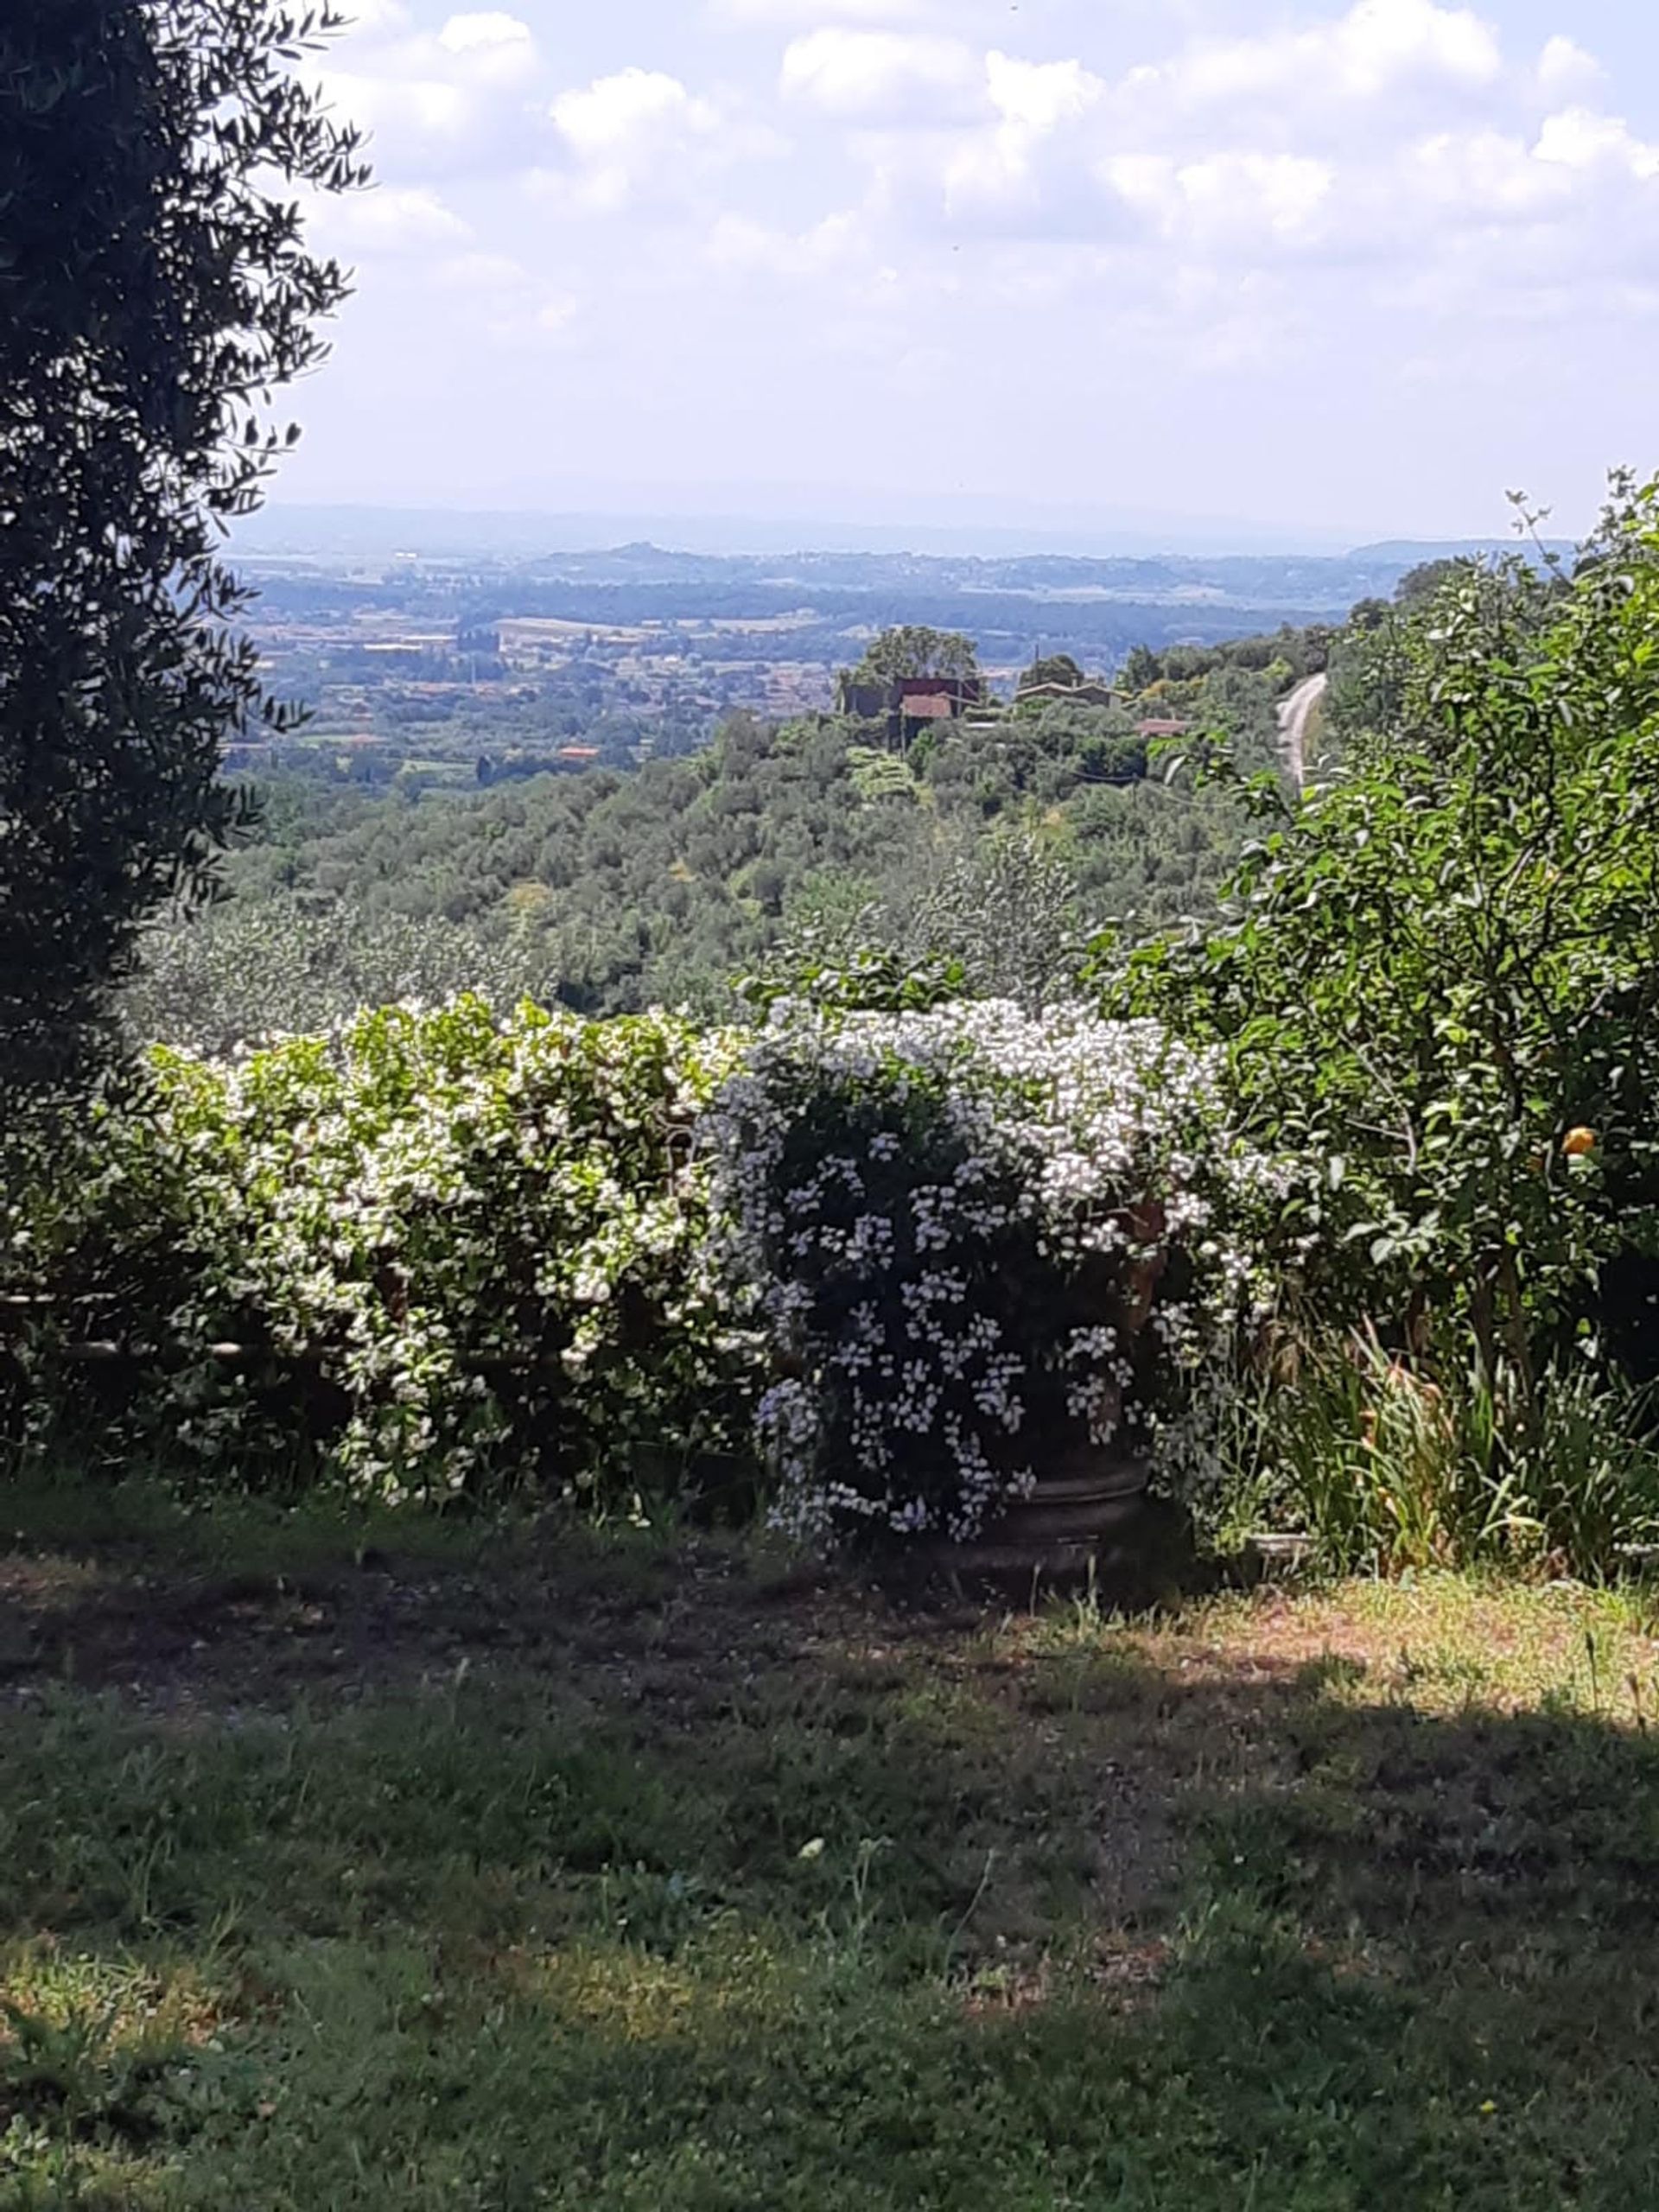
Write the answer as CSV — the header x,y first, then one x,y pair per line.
x,y
520,1871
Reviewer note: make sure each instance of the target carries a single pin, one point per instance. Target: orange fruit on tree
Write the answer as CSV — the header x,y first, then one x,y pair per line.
x,y
1578,1144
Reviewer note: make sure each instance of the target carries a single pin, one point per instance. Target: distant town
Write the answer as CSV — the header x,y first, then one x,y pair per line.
x,y
430,669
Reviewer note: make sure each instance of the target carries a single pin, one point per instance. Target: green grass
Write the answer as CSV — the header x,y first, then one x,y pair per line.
x,y
422,1867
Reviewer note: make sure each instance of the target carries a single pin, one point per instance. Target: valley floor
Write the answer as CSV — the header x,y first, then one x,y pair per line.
x,y
416,1869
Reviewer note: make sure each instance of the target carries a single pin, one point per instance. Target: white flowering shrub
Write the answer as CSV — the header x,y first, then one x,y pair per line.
x,y
987,1240
925,1253
449,1247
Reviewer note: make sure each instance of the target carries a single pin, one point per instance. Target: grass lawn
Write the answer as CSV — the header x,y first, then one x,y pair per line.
x,y
517,1869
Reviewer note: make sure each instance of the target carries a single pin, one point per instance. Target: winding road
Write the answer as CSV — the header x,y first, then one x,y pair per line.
x,y
1294,714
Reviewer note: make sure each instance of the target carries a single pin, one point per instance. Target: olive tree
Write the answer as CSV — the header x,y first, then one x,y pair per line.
x,y
156,291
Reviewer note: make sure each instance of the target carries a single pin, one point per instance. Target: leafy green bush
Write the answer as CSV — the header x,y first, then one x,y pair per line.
x,y
988,1243
1439,976
452,1249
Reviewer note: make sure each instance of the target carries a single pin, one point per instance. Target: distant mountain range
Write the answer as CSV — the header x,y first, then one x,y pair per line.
x,y
1220,595
1411,553
668,548
949,528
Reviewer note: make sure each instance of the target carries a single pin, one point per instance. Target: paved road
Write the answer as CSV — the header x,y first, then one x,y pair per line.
x,y
1293,717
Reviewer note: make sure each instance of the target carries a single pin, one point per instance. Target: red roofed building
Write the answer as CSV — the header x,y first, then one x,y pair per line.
x,y
930,707
957,692
910,704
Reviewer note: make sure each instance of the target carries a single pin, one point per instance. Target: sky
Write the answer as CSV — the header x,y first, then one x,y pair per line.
x,y
1333,271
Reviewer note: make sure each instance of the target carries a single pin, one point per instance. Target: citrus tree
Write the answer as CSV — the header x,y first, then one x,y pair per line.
x,y
1437,977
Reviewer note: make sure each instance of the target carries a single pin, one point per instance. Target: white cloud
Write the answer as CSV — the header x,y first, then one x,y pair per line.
x,y
480,272
1225,197
1479,177
767,14
1278,137
625,132
1585,171
404,114
1036,102
1565,68
376,18
442,98
1377,47
1038,97
521,320
1384,42
863,76
390,218
1277,195
1578,139
493,45
741,245
635,106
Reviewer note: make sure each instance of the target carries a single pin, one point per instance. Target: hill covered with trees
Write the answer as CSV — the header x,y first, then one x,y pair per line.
x,y
616,889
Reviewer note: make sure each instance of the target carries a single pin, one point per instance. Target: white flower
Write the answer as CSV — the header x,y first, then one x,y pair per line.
x,y
1051,1157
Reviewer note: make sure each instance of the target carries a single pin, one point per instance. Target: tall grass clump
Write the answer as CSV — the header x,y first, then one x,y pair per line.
x,y
1390,1465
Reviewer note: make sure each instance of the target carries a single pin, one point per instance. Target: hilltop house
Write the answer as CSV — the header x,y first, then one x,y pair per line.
x,y
910,704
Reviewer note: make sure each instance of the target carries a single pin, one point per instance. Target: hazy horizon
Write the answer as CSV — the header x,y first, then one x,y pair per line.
x,y
296,528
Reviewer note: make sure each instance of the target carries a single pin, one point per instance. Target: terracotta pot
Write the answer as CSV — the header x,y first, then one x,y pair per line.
x,y
1091,1493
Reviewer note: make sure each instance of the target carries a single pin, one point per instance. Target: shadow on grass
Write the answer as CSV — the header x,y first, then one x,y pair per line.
x,y
677,1894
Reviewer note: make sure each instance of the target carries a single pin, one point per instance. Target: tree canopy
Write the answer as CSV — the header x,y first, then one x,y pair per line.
x,y
913,650
1052,668
155,289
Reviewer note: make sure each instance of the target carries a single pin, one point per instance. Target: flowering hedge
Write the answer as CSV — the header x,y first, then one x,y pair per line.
x,y
450,1245
984,1241
922,1255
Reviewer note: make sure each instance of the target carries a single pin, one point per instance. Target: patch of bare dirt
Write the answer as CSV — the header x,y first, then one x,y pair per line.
x,y
679,1632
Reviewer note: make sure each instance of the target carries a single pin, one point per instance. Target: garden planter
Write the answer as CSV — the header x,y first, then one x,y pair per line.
x,y
1074,1509
1079,1524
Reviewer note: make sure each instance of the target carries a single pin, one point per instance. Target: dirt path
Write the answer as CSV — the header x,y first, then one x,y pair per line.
x,y
1294,716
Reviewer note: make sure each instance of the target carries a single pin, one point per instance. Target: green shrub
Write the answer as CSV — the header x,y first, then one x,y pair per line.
x,y
1439,977
455,1250
986,1241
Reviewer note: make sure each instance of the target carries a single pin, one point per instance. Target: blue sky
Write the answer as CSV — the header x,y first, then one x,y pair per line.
x,y
1348,270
